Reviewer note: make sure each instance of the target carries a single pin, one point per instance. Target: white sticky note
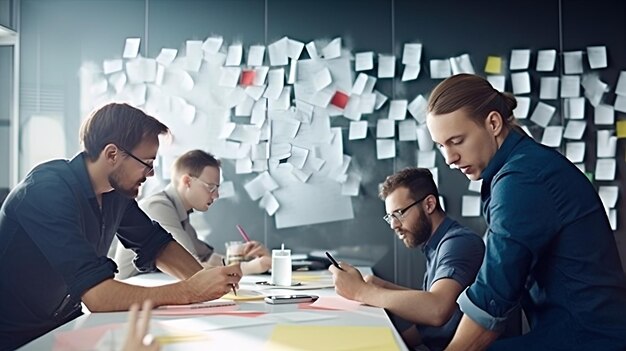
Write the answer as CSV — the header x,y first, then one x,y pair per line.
x,y
574,108
364,61
385,128
407,130
386,66
608,195
620,89
351,186
235,52
552,136
575,151
410,72
397,109
461,64
426,159
367,103
166,56
424,140
243,166
613,219
256,53
353,108
520,82
475,185
620,103
359,84
570,86
229,76
294,49
293,69
260,73
311,49
471,206
276,82
358,130
112,66
259,185
549,88
604,115
542,114
546,60
282,103
573,62
523,106
606,143
594,88
269,203
440,69
298,156
412,54
278,52
380,99
497,82
417,108
605,169
333,49
131,48
520,58
597,57
575,130
322,79
212,44
385,148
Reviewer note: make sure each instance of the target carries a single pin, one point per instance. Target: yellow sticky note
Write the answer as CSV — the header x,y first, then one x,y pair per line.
x,y
493,65
244,295
330,337
621,129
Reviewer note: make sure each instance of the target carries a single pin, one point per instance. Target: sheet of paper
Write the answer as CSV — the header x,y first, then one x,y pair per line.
x,y
520,58
275,83
256,54
475,185
620,103
131,48
212,44
412,54
424,140
385,148
461,64
311,49
407,130
235,52
351,186
293,71
497,82
597,57
523,106
426,159
574,108
397,109
298,156
570,86
213,323
575,130
294,49
359,84
141,70
380,99
243,166
594,88
385,128
573,62
299,316
269,204
542,114
278,52
229,76
470,206
418,108
330,338
260,185
260,75
322,79
493,65
552,136
608,195
604,115
549,88
606,143
333,49
335,303
369,86
358,130
112,66
546,60
575,151
282,103
193,55
410,72
620,89
440,69
605,169
520,82
386,66
364,61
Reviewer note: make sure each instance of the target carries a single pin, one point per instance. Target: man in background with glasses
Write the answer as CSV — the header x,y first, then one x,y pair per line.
x,y
453,256
57,225
194,187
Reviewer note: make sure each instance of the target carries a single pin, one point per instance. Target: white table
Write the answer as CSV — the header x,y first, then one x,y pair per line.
x,y
253,337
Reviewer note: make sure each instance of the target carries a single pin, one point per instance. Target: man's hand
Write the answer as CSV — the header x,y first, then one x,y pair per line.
x,y
254,249
258,265
374,280
348,282
213,283
138,337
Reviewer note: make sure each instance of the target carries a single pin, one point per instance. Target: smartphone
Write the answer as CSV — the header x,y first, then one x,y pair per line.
x,y
280,299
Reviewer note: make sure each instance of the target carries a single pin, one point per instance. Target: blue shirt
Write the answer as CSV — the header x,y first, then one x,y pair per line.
x,y
452,252
549,248
54,240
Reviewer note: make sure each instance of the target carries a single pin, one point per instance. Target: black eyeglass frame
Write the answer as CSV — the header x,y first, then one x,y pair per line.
x,y
401,213
148,167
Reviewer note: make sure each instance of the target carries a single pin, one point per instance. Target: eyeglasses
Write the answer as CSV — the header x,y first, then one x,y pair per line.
x,y
148,167
211,188
401,213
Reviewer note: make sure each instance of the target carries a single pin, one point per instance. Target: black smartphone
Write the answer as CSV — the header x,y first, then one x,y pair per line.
x,y
281,299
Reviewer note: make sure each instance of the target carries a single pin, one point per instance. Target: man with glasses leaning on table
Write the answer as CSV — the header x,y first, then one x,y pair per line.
x,y
56,227
453,256
194,186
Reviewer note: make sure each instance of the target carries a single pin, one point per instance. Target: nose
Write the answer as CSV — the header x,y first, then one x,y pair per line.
x,y
216,194
395,223
450,155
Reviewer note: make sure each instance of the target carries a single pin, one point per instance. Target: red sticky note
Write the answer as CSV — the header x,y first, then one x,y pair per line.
x,y
247,77
339,99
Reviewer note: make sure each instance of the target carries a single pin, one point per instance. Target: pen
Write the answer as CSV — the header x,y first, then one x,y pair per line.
x,y
332,260
197,306
243,233
232,285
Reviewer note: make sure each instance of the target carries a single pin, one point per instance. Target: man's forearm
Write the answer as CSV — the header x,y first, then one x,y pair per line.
x,y
112,295
177,262
471,336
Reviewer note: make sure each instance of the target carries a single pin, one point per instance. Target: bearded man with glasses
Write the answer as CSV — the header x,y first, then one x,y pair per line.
x,y
453,256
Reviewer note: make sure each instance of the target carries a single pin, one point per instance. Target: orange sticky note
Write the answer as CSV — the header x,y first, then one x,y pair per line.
x,y
621,129
339,99
247,77
493,65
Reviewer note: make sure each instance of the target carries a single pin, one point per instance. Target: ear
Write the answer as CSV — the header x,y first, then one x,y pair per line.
x,y
185,180
494,123
110,153
431,204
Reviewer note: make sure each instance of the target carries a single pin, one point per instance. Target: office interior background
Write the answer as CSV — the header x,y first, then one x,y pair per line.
x,y
54,53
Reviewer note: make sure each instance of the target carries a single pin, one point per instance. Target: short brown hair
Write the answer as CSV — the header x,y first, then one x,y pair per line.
x,y
474,94
119,124
193,163
419,181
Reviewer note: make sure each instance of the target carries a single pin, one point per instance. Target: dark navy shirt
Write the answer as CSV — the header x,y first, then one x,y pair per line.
x,y
549,248
452,252
54,241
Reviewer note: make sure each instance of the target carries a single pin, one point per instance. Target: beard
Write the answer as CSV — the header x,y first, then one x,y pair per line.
x,y
129,192
420,232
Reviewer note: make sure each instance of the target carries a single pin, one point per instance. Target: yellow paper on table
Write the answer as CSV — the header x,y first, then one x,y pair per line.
x,y
244,295
330,337
621,129
493,65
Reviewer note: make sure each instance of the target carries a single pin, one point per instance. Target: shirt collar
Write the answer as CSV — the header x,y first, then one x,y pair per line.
x,y
436,237
501,155
79,168
172,194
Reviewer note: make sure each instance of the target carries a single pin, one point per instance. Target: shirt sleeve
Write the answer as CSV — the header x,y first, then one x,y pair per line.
x,y
144,236
51,216
460,257
522,222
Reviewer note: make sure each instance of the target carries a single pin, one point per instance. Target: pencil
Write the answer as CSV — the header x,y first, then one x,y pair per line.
x,y
232,285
